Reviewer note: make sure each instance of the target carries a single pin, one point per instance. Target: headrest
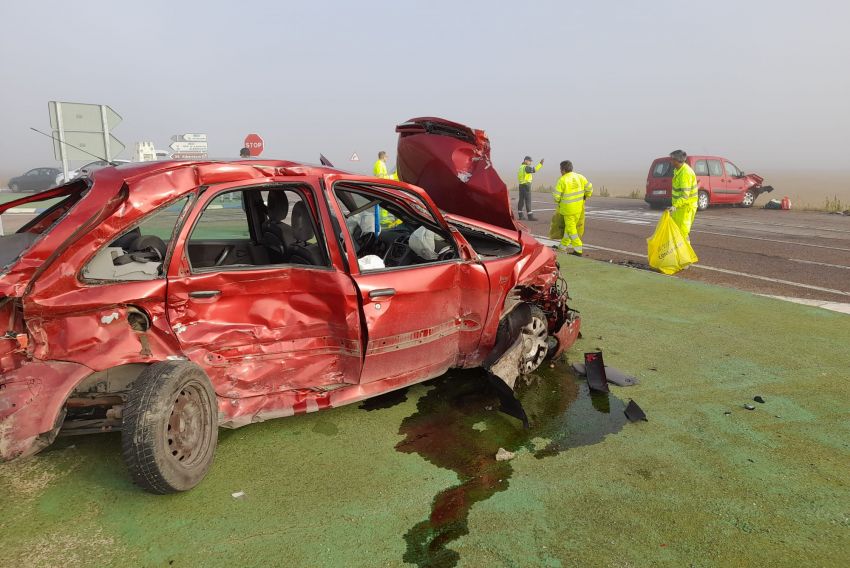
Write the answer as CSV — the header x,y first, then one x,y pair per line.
x,y
301,224
278,206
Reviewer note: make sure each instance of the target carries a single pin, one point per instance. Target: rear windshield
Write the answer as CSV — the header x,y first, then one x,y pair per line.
x,y
34,219
662,169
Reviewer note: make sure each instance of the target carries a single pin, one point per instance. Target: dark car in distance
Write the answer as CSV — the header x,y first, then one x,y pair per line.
x,y
37,179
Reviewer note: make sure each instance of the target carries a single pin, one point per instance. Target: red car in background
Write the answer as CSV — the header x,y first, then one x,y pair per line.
x,y
720,182
166,299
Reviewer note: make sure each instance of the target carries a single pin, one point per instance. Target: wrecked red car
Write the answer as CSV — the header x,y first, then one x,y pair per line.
x,y
167,299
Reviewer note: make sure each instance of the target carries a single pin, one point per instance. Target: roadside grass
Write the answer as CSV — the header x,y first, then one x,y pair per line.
x,y
834,205
633,194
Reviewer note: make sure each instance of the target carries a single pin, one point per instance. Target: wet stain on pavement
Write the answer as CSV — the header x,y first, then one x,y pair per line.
x,y
447,431
387,400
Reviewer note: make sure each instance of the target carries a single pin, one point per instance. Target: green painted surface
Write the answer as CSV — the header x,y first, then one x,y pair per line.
x,y
693,486
6,197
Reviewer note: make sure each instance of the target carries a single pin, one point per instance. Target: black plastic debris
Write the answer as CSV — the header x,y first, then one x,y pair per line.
x,y
634,412
612,375
758,398
509,403
595,369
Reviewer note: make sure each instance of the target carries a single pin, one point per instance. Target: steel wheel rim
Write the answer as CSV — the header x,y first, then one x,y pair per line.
x,y
748,199
535,344
187,433
703,201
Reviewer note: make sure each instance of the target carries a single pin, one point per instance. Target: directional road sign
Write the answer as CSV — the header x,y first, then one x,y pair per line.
x,y
189,138
189,147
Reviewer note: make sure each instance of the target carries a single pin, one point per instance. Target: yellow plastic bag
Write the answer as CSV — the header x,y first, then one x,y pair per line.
x,y
556,226
667,249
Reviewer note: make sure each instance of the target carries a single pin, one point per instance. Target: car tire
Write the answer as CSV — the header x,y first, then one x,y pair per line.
x,y
702,200
14,188
535,339
748,199
170,427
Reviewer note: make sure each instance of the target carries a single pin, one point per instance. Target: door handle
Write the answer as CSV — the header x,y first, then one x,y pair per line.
x,y
205,294
382,293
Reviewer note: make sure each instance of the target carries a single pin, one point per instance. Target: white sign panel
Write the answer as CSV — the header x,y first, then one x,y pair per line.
x,y
78,143
189,138
82,117
200,147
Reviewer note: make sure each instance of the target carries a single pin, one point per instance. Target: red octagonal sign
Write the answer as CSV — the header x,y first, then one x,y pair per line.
x,y
254,144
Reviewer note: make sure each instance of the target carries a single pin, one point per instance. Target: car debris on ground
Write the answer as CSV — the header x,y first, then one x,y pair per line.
x,y
634,412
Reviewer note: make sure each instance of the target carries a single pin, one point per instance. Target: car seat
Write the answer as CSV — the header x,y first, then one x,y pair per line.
x,y
301,251
277,235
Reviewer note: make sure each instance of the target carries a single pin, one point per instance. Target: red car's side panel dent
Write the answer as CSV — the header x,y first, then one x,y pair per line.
x,y
269,330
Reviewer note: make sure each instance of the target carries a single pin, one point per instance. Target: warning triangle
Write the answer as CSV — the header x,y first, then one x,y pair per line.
x,y
355,157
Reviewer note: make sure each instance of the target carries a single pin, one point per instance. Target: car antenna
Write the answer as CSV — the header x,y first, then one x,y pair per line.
x,y
75,147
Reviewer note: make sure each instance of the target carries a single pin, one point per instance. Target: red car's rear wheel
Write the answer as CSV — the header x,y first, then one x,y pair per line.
x,y
170,427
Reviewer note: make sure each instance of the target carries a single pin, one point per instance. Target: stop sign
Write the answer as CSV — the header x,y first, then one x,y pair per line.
x,y
254,144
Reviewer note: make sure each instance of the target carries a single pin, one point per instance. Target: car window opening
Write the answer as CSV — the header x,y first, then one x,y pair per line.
x,y
256,228
389,233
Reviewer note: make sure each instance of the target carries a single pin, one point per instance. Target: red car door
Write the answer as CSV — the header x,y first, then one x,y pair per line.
x,y
717,179
422,318
736,184
260,325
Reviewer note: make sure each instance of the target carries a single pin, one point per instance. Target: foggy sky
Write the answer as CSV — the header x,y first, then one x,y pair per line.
x,y
607,84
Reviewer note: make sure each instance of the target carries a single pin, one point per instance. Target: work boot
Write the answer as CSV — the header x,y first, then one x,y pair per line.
x,y
531,217
520,215
577,253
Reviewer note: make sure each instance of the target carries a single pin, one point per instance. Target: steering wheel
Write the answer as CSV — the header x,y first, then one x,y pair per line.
x,y
447,253
362,241
219,260
393,254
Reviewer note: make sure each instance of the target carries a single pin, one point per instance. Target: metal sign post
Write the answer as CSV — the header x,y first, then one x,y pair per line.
x,y
63,154
105,126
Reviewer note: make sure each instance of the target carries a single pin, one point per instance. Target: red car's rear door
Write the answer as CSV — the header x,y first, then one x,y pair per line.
x,y
260,325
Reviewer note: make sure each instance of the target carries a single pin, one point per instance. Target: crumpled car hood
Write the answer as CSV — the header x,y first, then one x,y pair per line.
x,y
452,163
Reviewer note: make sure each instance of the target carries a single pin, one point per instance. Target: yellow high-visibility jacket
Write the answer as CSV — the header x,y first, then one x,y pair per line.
x,y
570,192
524,176
380,169
685,187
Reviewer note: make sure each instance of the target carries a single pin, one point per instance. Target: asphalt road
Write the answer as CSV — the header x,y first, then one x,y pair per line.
x,y
798,254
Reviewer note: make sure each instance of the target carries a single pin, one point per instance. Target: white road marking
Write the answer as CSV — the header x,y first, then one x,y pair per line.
x,y
819,263
714,269
779,225
648,217
771,240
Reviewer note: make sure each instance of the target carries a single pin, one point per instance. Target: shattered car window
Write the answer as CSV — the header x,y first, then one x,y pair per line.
x,y
138,254
50,210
